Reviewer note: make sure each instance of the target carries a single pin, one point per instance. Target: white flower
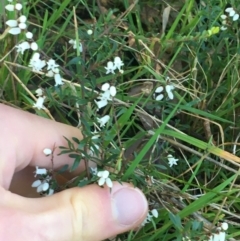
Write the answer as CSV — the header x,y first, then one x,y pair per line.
x,y
22,47
58,79
9,7
51,64
74,44
29,35
12,23
118,63
39,103
110,67
18,6
101,103
171,160
169,89
224,226
104,178
154,213
223,16
40,171
109,92
223,28
34,46
39,92
17,25
160,96
102,121
41,186
50,192
89,32
36,63
54,72
235,17
232,13
47,151
22,19
26,45
150,215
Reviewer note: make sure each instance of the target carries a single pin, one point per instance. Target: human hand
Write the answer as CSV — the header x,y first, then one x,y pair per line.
x,y
87,214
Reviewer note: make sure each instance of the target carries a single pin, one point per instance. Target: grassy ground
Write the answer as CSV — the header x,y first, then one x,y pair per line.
x,y
175,43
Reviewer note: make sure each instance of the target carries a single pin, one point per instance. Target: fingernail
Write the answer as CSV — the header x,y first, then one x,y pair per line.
x,y
129,205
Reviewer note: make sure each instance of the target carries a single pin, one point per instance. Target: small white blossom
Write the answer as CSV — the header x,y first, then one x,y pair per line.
x,y
34,46
58,79
50,192
169,89
29,35
9,7
18,6
150,215
171,160
223,16
104,178
41,186
75,45
154,213
89,32
12,23
39,92
224,226
118,63
159,96
40,171
235,17
102,121
101,103
223,28
22,47
36,63
109,93
47,151
110,67
39,103
26,45
51,64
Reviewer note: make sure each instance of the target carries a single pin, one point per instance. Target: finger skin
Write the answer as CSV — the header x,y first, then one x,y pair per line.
x,y
90,213
24,136
85,214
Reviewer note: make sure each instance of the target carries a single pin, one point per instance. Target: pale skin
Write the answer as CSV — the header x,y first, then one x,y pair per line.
x,y
87,214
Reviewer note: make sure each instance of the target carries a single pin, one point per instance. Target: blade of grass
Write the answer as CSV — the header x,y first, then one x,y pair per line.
x,y
142,153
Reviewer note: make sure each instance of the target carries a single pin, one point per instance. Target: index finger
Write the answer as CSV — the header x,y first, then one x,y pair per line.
x,y
24,136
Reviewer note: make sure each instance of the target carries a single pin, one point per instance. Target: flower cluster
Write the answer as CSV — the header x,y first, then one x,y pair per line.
x,y
108,93
112,66
103,177
43,183
171,160
168,88
76,44
230,14
220,235
40,100
151,214
36,63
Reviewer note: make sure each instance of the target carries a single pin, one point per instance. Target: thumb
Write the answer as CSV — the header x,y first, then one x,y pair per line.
x,y
87,214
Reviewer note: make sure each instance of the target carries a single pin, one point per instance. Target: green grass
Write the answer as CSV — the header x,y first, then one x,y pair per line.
x,y
200,126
